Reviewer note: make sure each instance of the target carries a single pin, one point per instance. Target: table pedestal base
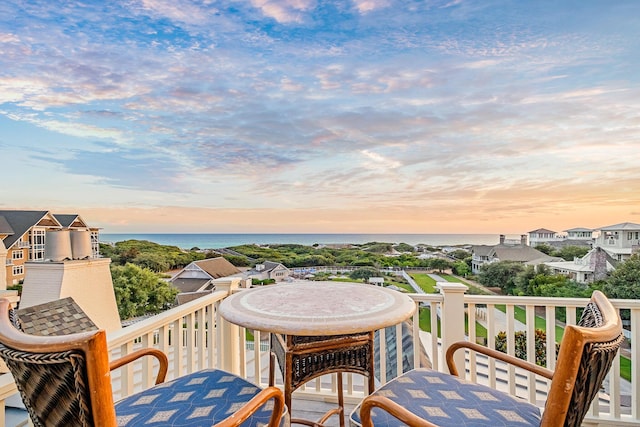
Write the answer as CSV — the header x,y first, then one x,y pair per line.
x,y
303,358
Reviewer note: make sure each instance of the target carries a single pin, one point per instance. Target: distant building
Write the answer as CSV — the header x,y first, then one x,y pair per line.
x,y
198,278
595,265
483,254
378,281
619,240
573,237
542,235
269,270
24,235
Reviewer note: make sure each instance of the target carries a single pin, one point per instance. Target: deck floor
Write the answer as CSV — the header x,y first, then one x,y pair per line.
x,y
314,410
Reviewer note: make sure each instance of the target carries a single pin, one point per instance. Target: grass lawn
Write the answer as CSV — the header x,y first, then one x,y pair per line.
x,y
425,282
425,323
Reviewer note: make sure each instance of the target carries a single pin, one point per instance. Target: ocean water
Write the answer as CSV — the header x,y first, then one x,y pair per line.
x,y
216,241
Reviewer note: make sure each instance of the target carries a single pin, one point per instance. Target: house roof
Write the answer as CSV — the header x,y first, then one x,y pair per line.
x,y
59,317
189,284
578,229
70,220
621,226
190,296
519,253
5,228
217,267
22,221
482,250
543,231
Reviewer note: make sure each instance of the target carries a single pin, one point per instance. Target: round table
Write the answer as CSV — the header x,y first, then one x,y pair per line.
x,y
317,308
319,328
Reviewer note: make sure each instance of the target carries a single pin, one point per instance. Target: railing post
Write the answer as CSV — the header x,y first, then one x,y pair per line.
x,y
228,354
452,319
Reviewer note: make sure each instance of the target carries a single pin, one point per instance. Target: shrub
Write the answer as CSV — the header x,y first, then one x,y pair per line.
x,y
521,345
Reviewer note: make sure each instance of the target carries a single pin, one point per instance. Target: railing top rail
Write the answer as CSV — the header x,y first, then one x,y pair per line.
x,y
551,301
125,335
426,297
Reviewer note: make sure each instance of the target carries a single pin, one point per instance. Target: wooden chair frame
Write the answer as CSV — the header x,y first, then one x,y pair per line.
x,y
563,379
93,345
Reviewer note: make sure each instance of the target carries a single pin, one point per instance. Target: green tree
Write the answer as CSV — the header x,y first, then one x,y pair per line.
x,y
439,264
404,247
624,281
460,254
544,248
140,291
363,273
568,253
460,268
501,274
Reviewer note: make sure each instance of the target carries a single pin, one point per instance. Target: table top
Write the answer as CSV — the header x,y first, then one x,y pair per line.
x,y
317,308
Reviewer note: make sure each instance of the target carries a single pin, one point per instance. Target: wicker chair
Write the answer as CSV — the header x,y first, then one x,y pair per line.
x,y
424,397
65,381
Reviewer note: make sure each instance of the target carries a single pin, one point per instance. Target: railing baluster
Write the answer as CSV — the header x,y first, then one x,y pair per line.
x,y
531,349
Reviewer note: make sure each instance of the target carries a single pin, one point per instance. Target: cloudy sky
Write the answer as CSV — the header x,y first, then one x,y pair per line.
x,y
372,116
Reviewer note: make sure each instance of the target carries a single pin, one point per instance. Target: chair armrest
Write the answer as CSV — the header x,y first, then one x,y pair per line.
x,y
158,354
531,367
256,403
393,409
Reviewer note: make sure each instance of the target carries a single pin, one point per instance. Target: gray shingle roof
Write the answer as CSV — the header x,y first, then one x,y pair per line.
x,y
5,228
59,317
20,222
66,220
189,284
217,267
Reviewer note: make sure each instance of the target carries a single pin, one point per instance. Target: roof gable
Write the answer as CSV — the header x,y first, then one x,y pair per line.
x,y
22,221
70,220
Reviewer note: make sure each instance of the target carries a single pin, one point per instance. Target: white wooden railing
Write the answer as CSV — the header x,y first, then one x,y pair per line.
x,y
188,336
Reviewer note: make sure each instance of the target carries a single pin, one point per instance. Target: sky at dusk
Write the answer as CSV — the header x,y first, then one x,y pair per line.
x,y
355,116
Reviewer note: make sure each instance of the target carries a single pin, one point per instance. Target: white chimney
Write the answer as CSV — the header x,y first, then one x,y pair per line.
x,y
88,282
81,244
57,245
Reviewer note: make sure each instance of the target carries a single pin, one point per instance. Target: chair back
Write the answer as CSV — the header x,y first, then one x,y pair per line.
x,y
586,354
63,380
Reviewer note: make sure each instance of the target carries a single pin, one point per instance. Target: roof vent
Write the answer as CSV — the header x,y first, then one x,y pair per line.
x,y
57,245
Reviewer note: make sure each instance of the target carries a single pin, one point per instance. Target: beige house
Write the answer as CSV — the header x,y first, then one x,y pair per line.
x,y
198,278
24,235
269,270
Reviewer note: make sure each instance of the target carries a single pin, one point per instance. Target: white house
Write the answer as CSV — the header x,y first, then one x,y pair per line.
x,y
593,266
619,240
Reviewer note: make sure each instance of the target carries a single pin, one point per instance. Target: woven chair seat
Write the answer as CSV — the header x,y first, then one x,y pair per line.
x,y
448,400
164,404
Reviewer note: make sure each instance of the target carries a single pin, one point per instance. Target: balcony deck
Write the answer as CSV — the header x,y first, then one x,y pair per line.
x,y
191,348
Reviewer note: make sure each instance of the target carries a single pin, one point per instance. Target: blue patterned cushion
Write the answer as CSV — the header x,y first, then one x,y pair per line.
x,y
447,400
202,398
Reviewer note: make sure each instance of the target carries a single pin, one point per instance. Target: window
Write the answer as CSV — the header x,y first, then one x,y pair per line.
x,y
36,238
18,270
629,235
17,254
